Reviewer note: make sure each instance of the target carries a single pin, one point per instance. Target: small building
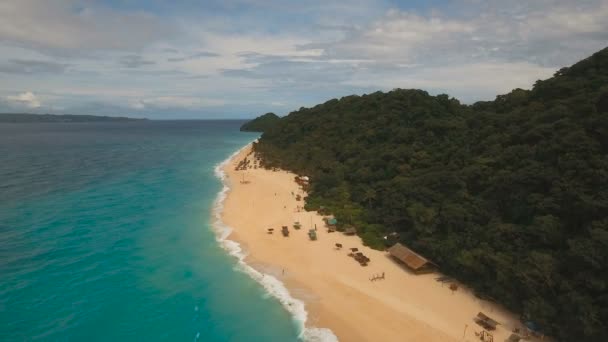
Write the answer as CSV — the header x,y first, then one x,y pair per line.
x,y
350,230
330,221
485,321
414,261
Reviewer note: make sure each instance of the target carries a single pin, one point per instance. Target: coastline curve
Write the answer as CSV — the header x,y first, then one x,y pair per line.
x,y
271,284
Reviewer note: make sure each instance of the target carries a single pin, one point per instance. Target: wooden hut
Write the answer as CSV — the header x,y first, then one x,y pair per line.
x,y
485,321
330,221
414,261
350,230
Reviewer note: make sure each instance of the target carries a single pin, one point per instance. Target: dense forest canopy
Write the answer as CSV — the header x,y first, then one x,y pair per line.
x,y
261,123
23,118
510,196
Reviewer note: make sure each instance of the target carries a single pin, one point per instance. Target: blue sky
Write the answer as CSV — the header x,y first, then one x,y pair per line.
x,y
240,58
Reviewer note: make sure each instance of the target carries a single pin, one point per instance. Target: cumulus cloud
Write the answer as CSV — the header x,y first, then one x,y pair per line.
x,y
26,99
552,35
501,47
146,58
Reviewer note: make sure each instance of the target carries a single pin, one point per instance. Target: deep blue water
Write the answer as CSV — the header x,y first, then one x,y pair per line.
x,y
105,235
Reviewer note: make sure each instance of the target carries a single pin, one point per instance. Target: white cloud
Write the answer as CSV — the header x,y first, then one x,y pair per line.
x,y
69,26
466,82
166,102
272,55
557,33
26,99
494,48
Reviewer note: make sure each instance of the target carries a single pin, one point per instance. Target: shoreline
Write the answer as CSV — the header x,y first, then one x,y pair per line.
x,y
328,295
273,286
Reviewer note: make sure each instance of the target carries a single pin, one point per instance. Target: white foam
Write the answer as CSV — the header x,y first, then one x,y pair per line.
x,y
272,285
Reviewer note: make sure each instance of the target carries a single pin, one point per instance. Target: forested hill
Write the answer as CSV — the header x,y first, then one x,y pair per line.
x,y
23,118
509,196
261,123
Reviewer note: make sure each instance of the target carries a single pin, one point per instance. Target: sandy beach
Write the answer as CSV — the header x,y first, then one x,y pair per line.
x,y
337,291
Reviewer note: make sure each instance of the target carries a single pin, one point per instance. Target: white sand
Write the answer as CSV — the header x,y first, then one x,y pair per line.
x,y
336,289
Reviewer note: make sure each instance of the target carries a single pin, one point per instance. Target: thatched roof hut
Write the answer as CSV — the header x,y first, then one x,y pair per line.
x,y
485,321
413,260
350,231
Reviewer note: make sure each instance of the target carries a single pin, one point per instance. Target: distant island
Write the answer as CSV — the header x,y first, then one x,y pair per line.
x,y
261,123
27,118
508,196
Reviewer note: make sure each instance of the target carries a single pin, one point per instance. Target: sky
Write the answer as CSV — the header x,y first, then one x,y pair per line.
x,y
172,59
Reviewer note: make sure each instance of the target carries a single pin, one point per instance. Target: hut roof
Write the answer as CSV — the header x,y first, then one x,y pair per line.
x,y
332,221
412,259
483,317
350,230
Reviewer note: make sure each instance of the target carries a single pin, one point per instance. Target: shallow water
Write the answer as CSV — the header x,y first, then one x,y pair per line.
x,y
105,235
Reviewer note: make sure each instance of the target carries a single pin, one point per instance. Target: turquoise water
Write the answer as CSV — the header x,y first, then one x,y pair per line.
x,y
105,235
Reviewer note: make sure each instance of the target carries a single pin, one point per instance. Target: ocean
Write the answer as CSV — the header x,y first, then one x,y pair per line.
x,y
109,232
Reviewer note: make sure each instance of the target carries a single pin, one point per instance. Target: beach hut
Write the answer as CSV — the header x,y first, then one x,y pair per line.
x,y
350,231
285,231
312,234
414,261
331,221
485,321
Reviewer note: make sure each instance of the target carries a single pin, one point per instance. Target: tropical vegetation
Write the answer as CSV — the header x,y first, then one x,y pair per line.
x,y
261,123
509,196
